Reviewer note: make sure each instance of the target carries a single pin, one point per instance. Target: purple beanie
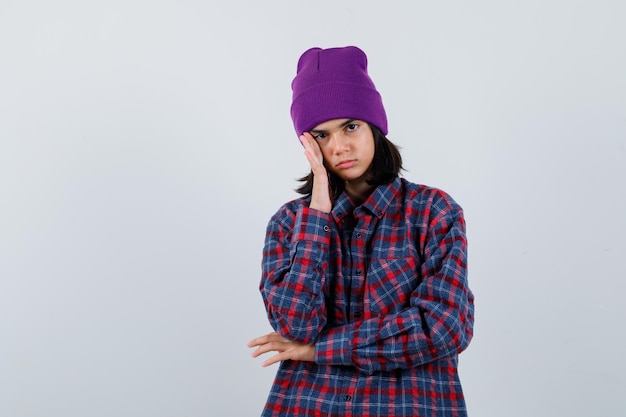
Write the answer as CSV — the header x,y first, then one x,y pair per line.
x,y
333,84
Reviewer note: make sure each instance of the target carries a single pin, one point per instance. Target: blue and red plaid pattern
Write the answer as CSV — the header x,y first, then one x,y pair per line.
x,y
381,289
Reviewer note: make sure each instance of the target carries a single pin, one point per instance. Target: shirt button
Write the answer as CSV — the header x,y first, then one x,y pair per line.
x,y
347,397
358,235
358,272
326,228
357,314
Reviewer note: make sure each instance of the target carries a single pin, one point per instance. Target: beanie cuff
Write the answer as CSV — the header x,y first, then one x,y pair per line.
x,y
335,100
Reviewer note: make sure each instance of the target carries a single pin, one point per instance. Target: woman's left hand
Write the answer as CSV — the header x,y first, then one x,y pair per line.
x,y
287,350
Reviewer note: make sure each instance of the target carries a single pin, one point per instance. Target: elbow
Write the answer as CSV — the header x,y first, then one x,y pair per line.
x,y
452,336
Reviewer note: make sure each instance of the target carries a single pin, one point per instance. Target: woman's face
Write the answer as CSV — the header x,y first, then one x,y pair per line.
x,y
347,146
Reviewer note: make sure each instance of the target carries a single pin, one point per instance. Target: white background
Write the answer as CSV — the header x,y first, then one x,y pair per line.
x,y
145,144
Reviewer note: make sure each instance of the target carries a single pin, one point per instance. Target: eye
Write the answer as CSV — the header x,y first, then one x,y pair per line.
x,y
319,136
351,127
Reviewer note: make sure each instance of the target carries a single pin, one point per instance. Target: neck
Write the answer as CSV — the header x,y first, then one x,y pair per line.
x,y
358,191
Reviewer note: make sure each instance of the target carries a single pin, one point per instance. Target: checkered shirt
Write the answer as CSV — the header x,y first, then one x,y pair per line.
x,y
381,289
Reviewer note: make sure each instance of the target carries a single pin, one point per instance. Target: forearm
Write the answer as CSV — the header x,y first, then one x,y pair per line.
x,y
404,340
292,285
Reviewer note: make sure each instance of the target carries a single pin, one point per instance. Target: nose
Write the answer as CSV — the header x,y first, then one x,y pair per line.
x,y
340,142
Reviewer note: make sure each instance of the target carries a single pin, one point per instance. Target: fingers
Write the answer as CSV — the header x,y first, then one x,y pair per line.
x,y
308,142
277,346
268,343
274,359
286,349
313,153
261,340
320,196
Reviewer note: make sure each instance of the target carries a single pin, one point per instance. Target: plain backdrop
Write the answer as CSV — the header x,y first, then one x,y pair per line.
x,y
145,144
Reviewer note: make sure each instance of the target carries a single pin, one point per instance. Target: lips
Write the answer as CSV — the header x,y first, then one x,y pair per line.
x,y
349,163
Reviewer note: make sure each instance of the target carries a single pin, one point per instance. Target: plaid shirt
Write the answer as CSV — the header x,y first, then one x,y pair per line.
x,y
381,289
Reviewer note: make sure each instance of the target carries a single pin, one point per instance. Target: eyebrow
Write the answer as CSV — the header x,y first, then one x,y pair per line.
x,y
343,124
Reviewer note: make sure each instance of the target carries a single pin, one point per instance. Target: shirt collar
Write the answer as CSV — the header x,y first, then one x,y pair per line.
x,y
377,203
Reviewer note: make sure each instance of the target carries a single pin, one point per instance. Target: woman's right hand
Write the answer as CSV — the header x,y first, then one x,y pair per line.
x,y
320,198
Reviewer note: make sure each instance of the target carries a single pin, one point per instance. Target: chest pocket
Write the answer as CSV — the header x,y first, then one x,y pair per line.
x,y
389,285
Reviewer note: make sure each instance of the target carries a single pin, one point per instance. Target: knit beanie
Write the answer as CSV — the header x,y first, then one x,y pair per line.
x,y
334,84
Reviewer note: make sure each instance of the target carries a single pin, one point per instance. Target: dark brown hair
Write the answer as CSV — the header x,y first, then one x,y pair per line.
x,y
385,167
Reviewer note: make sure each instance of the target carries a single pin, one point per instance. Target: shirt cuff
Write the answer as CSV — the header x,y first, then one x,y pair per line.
x,y
334,347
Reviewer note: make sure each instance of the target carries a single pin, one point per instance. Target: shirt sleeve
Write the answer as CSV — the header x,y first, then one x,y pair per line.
x,y
438,321
295,256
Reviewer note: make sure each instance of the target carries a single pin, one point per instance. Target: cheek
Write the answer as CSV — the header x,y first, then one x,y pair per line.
x,y
325,151
370,150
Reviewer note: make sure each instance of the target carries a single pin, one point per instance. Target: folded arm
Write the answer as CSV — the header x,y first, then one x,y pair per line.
x,y
436,323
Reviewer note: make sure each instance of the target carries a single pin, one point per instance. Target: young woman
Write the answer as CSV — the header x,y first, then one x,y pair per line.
x,y
364,278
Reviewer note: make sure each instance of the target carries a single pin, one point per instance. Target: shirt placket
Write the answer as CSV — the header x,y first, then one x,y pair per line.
x,y
358,252
360,239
